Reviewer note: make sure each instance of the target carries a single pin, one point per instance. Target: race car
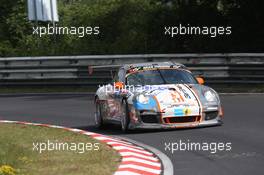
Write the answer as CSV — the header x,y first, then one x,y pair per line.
x,y
157,95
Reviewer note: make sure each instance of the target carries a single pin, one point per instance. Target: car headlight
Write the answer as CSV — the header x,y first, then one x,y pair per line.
x,y
143,99
210,96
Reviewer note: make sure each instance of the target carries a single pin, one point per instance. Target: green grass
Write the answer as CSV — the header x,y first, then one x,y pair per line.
x,y
16,150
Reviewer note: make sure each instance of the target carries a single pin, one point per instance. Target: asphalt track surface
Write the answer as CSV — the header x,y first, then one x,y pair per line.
x,y
243,127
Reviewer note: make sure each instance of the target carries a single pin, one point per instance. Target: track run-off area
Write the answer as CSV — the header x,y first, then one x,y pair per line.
x,y
243,127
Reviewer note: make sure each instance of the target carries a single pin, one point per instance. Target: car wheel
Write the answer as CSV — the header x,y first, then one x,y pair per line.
x,y
98,115
125,118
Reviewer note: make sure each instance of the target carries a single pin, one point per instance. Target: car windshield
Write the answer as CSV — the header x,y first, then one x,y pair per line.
x,y
160,76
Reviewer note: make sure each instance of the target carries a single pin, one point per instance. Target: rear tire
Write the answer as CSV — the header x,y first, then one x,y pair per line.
x,y
125,120
99,123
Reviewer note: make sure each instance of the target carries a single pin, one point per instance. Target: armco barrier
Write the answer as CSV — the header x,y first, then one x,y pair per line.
x,y
240,68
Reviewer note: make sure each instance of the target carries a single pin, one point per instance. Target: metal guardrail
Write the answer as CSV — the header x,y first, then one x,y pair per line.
x,y
239,68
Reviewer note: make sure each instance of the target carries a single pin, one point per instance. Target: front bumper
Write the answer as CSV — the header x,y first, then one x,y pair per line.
x,y
208,118
142,125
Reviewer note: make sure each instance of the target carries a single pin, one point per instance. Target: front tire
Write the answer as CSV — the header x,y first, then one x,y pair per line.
x,y
125,120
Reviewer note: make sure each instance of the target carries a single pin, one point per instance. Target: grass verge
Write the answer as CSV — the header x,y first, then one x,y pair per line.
x,y
16,151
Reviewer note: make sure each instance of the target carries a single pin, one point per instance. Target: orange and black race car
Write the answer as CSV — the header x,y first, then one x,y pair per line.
x,y
157,95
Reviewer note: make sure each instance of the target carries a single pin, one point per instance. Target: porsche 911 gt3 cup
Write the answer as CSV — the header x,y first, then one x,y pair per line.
x,y
157,95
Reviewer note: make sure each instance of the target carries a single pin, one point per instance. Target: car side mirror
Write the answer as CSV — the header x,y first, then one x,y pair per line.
x,y
200,80
119,85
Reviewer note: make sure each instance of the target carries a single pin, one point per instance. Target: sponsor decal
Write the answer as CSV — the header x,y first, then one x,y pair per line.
x,y
186,95
187,111
151,105
176,97
178,112
186,105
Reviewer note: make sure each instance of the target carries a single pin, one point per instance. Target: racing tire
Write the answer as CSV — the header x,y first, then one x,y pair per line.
x,y
125,120
99,123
